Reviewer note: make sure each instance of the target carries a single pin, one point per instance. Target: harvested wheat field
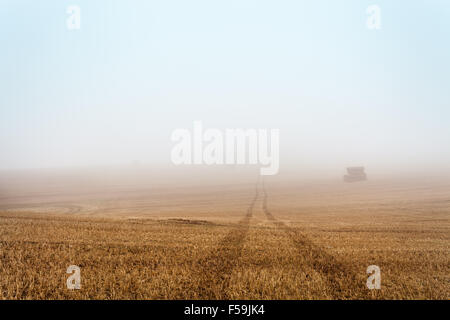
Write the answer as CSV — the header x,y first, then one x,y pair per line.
x,y
254,238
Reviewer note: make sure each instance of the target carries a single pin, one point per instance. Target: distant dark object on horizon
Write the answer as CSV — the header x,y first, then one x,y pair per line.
x,y
355,174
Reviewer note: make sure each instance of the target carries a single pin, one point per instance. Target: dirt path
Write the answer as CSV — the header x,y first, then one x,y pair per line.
x,y
340,277
213,272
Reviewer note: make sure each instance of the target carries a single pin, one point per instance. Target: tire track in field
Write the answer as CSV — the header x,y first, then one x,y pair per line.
x,y
342,281
214,270
43,207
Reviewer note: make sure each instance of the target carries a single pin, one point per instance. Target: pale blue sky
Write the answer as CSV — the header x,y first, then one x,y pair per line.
x,y
113,91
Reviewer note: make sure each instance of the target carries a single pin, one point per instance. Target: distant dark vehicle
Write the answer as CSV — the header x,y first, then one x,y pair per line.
x,y
355,174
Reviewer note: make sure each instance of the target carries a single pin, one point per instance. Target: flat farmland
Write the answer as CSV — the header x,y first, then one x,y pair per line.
x,y
223,239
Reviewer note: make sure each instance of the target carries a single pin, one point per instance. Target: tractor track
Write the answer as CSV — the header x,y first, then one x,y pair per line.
x,y
214,271
340,277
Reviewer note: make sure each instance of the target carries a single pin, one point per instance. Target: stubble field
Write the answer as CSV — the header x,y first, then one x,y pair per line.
x,y
257,239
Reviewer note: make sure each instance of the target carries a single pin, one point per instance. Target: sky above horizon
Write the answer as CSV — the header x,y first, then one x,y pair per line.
x,y
113,91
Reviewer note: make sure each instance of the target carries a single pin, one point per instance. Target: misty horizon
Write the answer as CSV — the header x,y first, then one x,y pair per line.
x,y
114,91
